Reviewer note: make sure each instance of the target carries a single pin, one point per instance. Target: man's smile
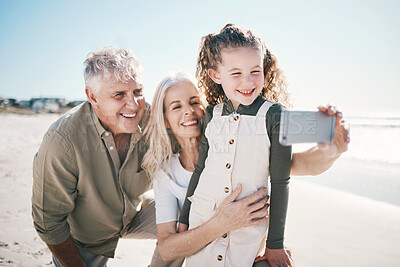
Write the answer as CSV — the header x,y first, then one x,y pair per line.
x,y
126,115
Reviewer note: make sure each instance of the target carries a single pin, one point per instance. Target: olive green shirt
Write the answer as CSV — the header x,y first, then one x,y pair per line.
x,y
80,187
279,162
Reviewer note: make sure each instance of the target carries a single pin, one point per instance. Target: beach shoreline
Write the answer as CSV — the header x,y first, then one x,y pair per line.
x,y
375,180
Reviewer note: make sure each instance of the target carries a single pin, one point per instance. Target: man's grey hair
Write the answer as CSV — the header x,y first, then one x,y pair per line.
x,y
109,63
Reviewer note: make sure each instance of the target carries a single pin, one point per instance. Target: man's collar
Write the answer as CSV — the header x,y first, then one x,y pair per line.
x,y
100,129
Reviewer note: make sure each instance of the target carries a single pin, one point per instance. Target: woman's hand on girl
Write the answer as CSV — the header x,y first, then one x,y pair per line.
x,y
248,211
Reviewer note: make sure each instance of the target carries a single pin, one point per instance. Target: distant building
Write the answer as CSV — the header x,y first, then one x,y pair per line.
x,y
48,104
10,102
25,103
37,105
42,104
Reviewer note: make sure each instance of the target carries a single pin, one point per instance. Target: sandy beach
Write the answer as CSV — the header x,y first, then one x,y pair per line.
x,y
340,218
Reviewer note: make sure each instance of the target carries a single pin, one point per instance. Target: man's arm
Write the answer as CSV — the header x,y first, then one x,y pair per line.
x,y
67,254
53,197
320,158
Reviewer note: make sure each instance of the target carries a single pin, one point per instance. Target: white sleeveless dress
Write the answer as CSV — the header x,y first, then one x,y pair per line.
x,y
239,149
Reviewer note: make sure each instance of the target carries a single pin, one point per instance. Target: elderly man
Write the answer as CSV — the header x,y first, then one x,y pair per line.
x,y
88,184
88,188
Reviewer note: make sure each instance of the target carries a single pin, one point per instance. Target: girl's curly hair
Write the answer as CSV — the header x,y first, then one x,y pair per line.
x,y
231,36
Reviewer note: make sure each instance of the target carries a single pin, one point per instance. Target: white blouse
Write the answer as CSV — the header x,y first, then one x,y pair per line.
x,y
170,193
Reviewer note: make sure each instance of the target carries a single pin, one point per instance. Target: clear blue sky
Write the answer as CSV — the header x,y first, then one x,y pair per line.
x,y
344,52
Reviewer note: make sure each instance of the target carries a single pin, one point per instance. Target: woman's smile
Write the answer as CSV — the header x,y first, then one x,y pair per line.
x,y
183,110
191,123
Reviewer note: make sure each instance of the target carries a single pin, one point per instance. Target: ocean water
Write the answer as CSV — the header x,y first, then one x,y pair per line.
x,y
375,139
371,166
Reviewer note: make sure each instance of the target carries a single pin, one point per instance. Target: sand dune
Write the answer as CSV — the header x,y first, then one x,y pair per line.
x,y
326,227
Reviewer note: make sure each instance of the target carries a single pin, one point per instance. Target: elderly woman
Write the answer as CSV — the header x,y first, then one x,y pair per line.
x,y
177,108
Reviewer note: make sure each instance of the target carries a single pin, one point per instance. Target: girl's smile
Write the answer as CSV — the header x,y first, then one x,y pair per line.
x,y
240,74
247,92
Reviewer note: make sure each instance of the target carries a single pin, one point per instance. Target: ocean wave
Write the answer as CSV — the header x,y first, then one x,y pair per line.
x,y
374,122
371,159
375,125
374,139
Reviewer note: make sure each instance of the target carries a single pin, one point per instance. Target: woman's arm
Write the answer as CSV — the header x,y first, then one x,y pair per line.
x,y
320,158
229,216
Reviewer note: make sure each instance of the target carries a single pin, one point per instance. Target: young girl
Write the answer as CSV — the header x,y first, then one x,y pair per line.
x,y
242,82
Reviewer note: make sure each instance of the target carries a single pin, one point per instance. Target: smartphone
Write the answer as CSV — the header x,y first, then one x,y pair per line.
x,y
306,127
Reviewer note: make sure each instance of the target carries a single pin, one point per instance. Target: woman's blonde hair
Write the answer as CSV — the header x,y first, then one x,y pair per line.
x,y
231,36
162,142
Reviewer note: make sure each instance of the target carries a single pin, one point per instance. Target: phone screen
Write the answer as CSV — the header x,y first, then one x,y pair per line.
x,y
306,127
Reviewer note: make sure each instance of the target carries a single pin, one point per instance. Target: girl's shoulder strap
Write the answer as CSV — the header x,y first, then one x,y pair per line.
x,y
265,107
217,112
